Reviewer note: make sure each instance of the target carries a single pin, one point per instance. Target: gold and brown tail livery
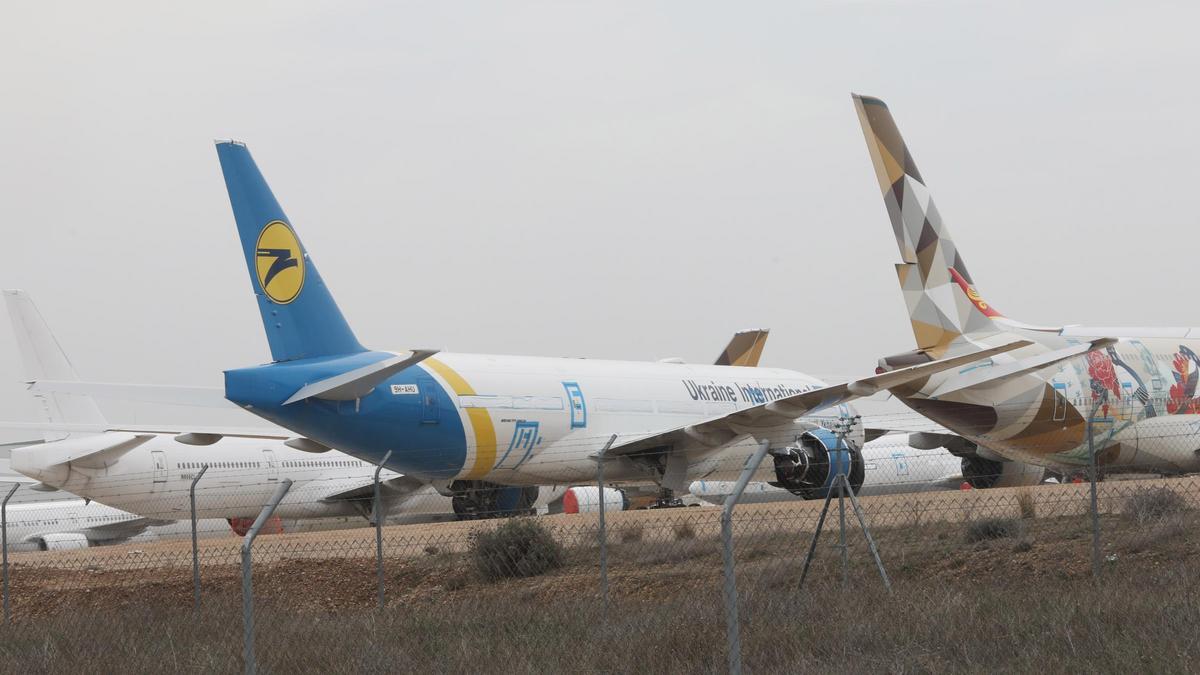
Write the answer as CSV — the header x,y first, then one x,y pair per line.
x,y
744,349
936,285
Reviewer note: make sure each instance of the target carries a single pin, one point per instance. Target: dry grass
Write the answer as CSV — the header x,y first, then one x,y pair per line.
x,y
993,528
1026,504
1140,624
1023,601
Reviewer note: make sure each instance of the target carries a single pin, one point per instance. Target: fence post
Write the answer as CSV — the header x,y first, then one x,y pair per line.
x,y
195,548
601,534
841,487
379,517
4,543
732,627
1095,501
247,591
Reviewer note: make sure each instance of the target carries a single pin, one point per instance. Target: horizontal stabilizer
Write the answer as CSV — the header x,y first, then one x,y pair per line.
x,y
1005,371
203,397
359,382
94,452
191,433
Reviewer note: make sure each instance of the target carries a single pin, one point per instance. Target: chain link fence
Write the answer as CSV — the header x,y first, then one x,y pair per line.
x,y
640,589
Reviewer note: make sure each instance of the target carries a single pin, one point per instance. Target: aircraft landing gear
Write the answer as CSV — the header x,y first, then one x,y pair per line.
x,y
667,500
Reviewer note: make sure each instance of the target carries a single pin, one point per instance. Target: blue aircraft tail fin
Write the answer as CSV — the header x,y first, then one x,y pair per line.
x,y
298,312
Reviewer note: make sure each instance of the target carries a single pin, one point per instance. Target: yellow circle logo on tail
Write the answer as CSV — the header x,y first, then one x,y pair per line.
x,y
279,262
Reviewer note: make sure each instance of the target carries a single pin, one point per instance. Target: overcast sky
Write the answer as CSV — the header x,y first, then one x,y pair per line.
x,y
613,180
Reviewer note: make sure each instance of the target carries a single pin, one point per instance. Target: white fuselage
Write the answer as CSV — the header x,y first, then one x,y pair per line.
x,y
515,420
153,479
67,524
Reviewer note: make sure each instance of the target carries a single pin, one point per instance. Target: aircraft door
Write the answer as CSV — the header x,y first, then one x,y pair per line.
x,y
429,400
270,465
577,404
159,461
1060,401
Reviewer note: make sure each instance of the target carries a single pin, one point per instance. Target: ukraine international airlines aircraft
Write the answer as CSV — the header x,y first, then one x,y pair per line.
x,y
480,424
1029,405
148,474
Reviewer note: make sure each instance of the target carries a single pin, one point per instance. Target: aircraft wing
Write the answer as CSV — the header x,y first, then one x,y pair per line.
x,y
763,419
396,488
125,529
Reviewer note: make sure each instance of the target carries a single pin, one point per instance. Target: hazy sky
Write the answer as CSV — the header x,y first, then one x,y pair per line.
x,y
613,180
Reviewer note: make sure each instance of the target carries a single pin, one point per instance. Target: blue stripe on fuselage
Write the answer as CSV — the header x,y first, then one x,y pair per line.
x,y
379,422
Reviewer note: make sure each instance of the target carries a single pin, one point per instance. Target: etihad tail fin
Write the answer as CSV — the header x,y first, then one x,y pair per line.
x,y
44,359
298,312
744,348
942,302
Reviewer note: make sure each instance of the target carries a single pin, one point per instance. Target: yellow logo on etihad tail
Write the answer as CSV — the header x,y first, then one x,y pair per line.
x,y
279,262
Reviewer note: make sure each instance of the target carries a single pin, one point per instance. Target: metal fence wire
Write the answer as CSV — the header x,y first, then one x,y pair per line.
x,y
759,579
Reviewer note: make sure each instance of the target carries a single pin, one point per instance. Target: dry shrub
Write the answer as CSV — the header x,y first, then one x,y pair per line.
x,y
632,533
521,547
1025,505
684,530
993,528
1149,506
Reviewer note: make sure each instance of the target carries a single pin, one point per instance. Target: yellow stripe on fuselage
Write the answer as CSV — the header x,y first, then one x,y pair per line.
x,y
481,420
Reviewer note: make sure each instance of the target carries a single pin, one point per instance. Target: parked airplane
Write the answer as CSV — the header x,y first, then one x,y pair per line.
x,y
149,473
483,426
1032,405
891,466
69,524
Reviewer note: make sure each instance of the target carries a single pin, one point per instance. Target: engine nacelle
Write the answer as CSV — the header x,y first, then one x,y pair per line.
x,y
983,473
807,467
241,526
67,541
586,499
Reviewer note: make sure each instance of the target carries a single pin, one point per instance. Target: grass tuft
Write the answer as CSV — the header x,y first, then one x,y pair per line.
x,y
993,528
1150,506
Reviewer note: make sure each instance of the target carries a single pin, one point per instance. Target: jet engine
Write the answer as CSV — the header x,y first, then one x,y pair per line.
x,y
984,473
66,541
807,467
475,499
586,499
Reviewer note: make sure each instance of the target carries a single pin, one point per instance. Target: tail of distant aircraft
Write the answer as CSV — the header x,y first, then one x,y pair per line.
x,y
745,348
298,312
942,302
44,359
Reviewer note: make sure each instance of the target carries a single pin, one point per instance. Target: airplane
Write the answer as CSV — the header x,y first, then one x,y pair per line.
x,y
482,427
891,466
1032,405
147,472
154,482
70,524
